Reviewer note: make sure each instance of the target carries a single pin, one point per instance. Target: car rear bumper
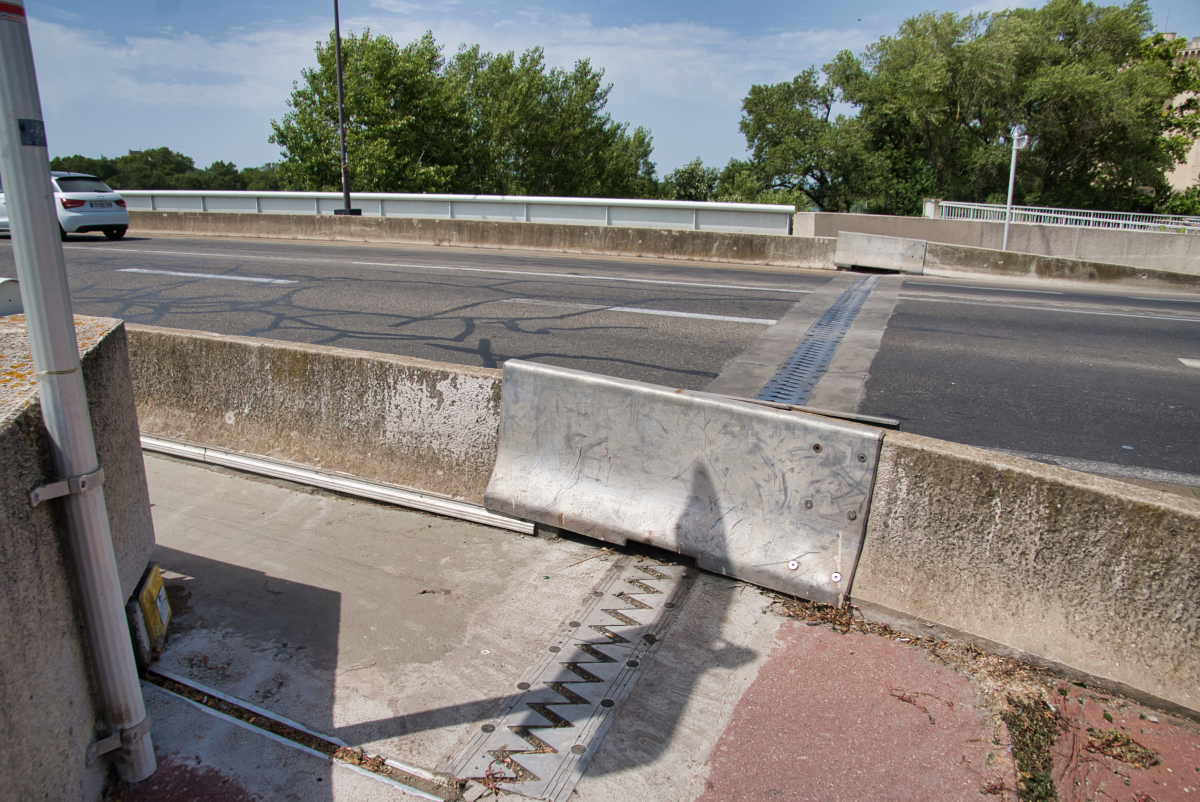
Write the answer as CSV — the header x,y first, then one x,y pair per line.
x,y
78,222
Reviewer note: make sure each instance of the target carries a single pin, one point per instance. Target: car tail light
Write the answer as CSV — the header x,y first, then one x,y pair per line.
x,y
121,202
70,203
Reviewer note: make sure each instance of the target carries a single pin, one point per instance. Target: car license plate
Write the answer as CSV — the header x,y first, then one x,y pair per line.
x,y
101,204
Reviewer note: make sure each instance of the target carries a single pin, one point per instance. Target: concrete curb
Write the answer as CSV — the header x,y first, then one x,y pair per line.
x,y
1094,576
702,246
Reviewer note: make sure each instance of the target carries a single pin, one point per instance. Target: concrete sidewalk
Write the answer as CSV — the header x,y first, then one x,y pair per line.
x,y
410,636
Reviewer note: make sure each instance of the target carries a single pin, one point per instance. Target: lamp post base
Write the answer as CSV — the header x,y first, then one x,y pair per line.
x,y
351,212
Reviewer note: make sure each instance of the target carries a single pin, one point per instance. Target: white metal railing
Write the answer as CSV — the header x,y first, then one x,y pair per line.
x,y
1036,215
752,218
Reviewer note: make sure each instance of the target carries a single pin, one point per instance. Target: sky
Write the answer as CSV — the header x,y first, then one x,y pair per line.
x,y
206,77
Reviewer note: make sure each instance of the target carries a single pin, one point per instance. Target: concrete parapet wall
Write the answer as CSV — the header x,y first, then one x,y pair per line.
x,y
1167,252
1090,574
423,425
703,246
50,710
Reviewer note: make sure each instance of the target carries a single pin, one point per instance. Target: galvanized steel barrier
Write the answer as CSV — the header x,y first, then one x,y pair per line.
x,y
748,218
774,497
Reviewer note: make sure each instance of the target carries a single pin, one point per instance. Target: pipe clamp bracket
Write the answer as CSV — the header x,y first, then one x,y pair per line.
x,y
67,487
118,740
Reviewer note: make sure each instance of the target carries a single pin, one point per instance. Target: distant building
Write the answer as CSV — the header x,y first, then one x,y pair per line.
x,y
1187,174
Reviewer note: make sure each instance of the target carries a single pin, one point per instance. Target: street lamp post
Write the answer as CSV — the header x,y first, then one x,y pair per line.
x,y
337,52
1019,141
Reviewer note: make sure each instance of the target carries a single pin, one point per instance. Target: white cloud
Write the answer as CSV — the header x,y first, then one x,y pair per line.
x,y
216,95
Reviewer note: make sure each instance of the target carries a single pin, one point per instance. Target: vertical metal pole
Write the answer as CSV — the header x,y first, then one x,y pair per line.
x,y
1012,179
43,277
337,51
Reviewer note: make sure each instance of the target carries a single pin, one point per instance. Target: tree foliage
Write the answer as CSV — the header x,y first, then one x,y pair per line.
x,y
692,182
935,105
476,123
163,168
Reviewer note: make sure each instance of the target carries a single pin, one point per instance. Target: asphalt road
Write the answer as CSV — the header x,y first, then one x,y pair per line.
x,y
1088,375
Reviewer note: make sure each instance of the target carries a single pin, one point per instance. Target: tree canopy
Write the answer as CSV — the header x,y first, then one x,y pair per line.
x,y
163,168
478,123
1096,91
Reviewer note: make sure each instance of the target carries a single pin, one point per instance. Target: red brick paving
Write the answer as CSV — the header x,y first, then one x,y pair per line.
x,y
856,717
1083,774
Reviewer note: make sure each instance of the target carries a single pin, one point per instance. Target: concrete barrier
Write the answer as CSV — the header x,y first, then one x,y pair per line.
x,y
50,713
748,218
1087,574
1167,252
955,261
422,425
883,253
1093,576
919,257
703,246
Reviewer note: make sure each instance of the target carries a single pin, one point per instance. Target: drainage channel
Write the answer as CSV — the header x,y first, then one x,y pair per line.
x,y
410,779
545,735
799,374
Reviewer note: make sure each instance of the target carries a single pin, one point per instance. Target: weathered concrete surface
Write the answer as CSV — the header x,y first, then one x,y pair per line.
x,y
424,425
958,261
876,251
1090,574
1152,250
403,632
704,246
48,708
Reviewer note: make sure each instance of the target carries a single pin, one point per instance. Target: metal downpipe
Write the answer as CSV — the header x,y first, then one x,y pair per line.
x,y
42,273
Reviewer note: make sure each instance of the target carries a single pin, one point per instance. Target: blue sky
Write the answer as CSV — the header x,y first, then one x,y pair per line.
x,y
206,77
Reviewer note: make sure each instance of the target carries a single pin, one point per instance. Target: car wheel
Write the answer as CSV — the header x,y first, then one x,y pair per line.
x,y
62,233
116,232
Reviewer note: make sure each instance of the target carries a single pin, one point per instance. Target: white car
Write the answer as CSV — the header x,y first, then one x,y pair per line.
x,y
84,203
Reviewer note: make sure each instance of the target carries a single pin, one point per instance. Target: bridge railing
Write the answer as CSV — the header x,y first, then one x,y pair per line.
x,y
750,218
1038,215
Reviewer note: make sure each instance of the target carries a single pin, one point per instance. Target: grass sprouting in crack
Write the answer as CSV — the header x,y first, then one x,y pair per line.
x,y
1033,726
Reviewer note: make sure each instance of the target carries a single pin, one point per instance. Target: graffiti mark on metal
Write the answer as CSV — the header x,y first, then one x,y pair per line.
x,y
544,738
723,481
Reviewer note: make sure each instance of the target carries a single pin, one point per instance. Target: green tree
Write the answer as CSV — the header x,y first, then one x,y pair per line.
x,y
163,168
936,104
478,123
692,182
404,121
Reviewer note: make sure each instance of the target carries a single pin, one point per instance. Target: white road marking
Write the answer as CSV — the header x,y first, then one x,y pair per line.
x,y
637,311
927,299
458,268
1191,363
1166,300
974,287
206,275
1110,469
